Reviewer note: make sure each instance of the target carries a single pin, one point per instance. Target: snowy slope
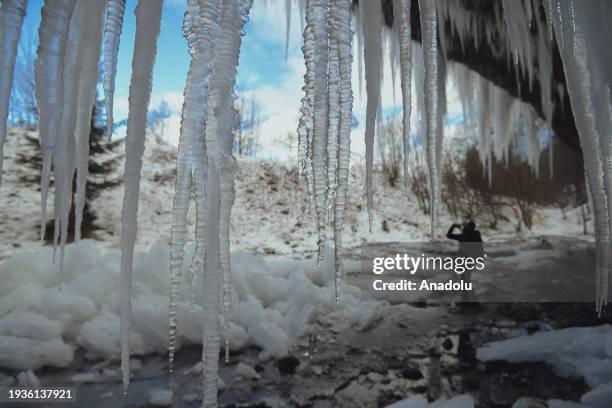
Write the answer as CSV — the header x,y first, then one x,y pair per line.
x,y
271,215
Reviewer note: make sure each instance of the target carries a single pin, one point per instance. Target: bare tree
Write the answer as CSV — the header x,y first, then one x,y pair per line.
x,y
390,148
250,119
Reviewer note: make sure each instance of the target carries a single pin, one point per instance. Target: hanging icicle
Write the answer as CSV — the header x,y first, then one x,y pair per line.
x,y
372,54
12,13
430,58
112,35
401,12
317,18
201,29
342,26
148,21
580,29
49,67
89,57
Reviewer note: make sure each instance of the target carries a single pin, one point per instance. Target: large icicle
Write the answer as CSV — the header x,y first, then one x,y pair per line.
x,y
401,11
64,152
12,13
89,55
344,35
112,35
53,33
582,32
333,111
372,54
317,18
148,21
219,141
219,137
305,127
201,30
430,60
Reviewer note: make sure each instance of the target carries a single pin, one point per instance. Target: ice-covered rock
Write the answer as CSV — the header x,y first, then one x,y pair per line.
x,y
599,397
160,398
529,403
246,371
417,401
555,403
85,377
574,351
461,401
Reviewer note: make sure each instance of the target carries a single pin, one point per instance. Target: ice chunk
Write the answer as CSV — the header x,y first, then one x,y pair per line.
x,y
246,371
19,353
417,401
31,325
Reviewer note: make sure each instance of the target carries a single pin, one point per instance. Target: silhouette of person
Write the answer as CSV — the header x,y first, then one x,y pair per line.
x,y
470,241
470,245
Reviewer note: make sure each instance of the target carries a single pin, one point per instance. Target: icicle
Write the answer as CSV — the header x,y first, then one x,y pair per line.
x,y
342,27
89,55
333,113
360,46
63,154
12,13
578,29
288,26
305,127
219,136
201,29
53,33
372,54
401,11
430,59
148,21
532,142
316,17
112,35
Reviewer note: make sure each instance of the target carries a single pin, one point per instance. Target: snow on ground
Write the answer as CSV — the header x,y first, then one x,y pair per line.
x,y
571,352
271,214
39,325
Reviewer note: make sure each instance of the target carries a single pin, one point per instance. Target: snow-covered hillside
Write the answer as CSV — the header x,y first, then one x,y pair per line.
x,y
271,215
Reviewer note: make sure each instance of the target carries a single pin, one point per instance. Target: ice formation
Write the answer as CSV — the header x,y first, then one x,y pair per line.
x,y
12,13
213,30
582,31
274,301
372,55
401,9
325,123
148,21
112,35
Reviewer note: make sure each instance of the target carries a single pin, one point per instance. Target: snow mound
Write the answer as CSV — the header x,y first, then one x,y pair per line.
x,y
273,303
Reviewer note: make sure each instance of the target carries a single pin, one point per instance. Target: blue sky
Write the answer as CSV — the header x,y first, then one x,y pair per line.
x,y
263,74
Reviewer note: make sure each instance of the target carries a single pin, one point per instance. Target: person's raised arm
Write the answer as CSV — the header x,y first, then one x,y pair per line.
x,y
451,235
